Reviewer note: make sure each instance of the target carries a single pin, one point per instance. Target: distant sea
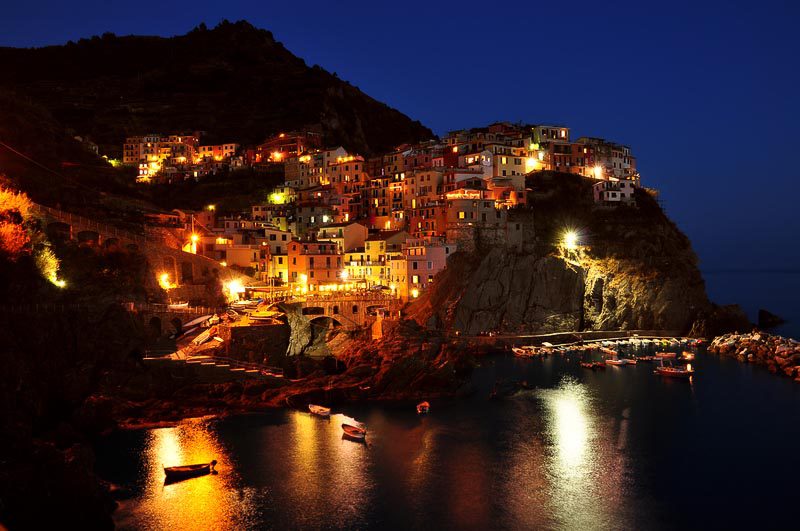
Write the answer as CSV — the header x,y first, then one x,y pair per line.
x,y
777,291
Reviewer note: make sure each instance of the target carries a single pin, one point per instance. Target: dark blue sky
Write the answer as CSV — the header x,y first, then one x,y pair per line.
x,y
704,92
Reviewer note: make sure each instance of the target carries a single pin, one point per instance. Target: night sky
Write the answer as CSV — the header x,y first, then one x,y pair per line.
x,y
704,93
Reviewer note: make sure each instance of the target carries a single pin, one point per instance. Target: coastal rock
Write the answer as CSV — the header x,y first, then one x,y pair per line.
x,y
768,320
779,354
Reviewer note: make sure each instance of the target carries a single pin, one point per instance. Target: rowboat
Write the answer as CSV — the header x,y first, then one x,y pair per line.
x,y
675,372
319,410
176,473
354,432
423,408
523,352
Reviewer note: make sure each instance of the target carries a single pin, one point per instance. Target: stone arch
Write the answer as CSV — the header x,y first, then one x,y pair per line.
x,y
326,319
58,230
111,244
154,326
187,271
88,237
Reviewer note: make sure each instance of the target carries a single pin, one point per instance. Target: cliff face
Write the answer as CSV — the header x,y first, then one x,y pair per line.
x,y
633,270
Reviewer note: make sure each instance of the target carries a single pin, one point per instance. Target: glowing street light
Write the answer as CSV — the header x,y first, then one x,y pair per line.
x,y
195,238
598,172
344,274
570,240
211,207
415,293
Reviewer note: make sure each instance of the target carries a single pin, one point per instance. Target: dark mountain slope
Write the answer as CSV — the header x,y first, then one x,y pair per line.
x,y
234,81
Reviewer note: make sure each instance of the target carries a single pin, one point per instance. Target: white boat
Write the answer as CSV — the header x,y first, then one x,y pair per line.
x,y
199,320
616,362
178,306
321,411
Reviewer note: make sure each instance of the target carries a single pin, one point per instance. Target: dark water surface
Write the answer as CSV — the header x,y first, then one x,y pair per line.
x,y
614,449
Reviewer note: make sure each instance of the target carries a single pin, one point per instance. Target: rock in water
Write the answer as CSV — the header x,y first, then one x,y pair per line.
x,y
768,319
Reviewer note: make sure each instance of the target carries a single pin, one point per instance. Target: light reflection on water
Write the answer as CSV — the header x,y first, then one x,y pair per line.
x,y
583,468
205,502
583,450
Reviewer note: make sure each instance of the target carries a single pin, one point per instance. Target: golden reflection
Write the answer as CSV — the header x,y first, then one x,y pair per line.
x,y
207,502
585,469
324,470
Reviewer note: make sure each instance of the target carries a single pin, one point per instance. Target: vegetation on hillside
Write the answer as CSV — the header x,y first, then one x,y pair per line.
x,y
235,82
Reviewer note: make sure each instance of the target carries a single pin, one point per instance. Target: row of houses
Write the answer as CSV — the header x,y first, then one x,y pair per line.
x,y
343,221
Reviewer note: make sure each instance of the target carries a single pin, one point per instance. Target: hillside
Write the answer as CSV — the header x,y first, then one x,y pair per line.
x,y
235,82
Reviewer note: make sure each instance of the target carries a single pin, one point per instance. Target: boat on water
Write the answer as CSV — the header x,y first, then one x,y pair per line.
x,y
355,433
423,408
524,352
687,356
609,351
177,473
629,361
616,362
593,365
675,372
321,411
665,355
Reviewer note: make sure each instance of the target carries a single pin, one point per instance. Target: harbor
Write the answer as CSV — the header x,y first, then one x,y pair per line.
x,y
579,449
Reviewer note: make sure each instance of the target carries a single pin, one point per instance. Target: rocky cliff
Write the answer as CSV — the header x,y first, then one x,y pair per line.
x,y
633,269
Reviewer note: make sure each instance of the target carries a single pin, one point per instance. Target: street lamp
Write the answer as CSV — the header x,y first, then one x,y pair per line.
x,y
570,240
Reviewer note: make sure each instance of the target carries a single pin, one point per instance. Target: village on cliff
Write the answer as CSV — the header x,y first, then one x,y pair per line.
x,y
345,222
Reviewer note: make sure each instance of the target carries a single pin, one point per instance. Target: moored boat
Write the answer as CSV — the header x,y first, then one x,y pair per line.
x,y
615,362
675,372
609,351
321,411
423,408
665,355
629,361
355,433
176,473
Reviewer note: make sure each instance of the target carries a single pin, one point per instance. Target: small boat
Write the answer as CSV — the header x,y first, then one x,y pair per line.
x,y
355,433
593,365
665,355
616,362
319,410
675,372
629,361
609,351
423,408
687,356
178,306
177,473
522,352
